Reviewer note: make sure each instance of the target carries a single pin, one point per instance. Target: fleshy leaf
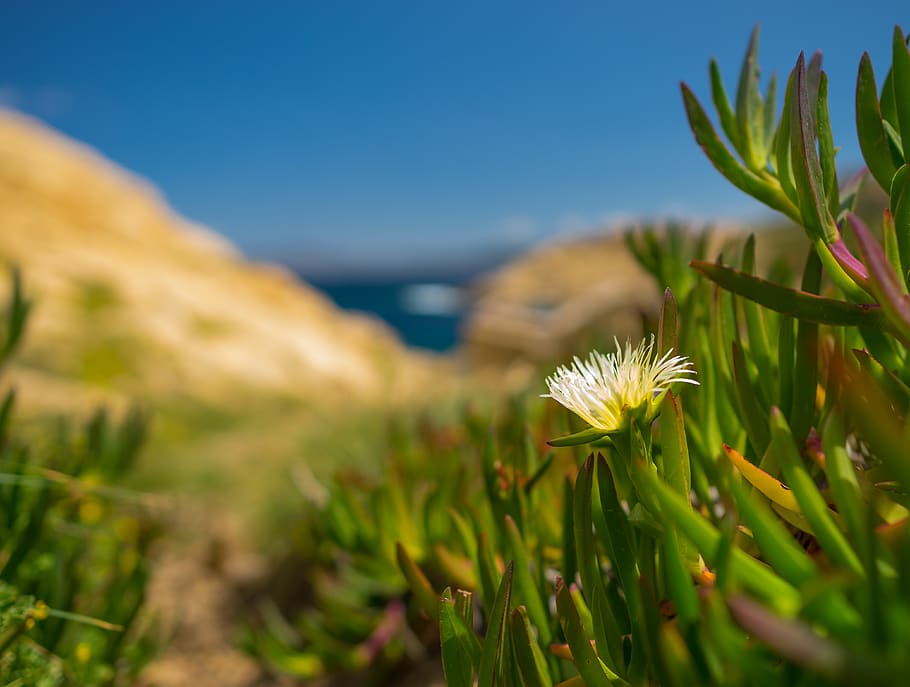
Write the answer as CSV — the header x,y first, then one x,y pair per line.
x,y
811,503
787,301
886,286
491,658
806,167
531,662
755,576
749,119
722,104
872,139
753,417
420,587
772,488
728,165
900,69
900,214
585,436
524,583
460,648
594,672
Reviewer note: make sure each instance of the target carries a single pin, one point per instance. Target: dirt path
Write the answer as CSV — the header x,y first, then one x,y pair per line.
x,y
199,574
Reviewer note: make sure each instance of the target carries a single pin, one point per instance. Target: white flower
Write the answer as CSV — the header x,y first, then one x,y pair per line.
x,y
601,389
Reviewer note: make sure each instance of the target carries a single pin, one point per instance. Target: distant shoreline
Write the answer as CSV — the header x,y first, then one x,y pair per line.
x,y
426,313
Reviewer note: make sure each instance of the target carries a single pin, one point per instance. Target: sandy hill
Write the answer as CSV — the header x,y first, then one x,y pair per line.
x,y
133,298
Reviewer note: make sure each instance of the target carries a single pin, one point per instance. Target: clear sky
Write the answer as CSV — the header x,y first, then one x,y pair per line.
x,y
365,131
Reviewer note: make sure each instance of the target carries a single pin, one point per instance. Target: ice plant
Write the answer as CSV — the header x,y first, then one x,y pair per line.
x,y
605,388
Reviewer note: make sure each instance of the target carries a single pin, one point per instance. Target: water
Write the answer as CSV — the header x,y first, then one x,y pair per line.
x,y
425,315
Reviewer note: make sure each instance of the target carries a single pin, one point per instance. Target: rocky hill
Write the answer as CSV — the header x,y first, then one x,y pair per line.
x,y
134,299
550,303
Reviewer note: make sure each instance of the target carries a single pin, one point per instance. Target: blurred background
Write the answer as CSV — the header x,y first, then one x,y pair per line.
x,y
373,146
271,226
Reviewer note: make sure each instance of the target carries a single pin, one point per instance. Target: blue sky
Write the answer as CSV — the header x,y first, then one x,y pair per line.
x,y
367,131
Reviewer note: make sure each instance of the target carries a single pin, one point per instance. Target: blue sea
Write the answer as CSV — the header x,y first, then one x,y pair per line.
x,y
425,314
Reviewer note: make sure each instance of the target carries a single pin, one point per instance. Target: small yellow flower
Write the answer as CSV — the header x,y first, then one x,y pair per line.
x,y
39,612
604,388
91,510
83,653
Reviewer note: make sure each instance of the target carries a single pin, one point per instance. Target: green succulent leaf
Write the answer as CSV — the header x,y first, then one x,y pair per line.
x,y
792,639
744,179
842,479
797,304
532,665
807,170
805,372
460,647
755,576
588,565
668,324
420,586
749,117
900,66
585,436
679,579
886,286
873,140
777,545
524,582
826,149
783,164
900,216
725,112
592,669
674,456
753,417
813,506
617,533
494,647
